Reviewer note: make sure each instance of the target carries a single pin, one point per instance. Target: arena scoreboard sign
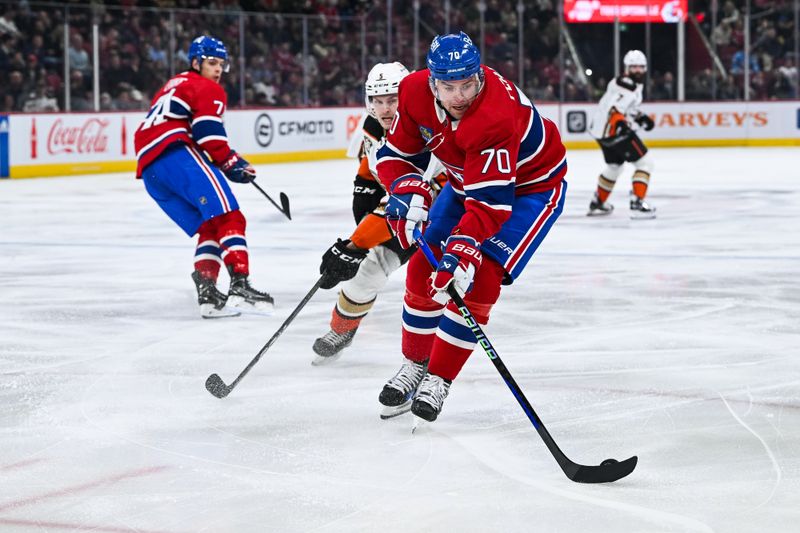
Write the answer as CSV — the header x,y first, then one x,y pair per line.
x,y
656,11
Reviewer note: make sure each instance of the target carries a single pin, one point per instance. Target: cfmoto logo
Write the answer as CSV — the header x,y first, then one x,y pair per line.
x,y
264,130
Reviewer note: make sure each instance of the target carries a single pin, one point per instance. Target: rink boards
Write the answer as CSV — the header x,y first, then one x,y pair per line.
x,y
56,144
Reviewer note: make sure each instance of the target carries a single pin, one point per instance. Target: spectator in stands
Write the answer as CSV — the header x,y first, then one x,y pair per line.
x,y
737,63
41,100
16,89
721,36
729,13
663,87
728,90
80,98
78,57
106,102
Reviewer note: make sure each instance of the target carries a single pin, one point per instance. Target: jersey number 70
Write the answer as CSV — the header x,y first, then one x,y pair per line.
x,y
502,158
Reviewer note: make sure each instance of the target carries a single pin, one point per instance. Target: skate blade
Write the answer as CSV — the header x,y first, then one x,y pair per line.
x,y
392,412
322,360
417,423
638,215
209,311
599,213
259,308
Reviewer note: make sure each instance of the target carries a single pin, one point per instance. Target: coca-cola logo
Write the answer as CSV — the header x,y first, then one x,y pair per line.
x,y
89,137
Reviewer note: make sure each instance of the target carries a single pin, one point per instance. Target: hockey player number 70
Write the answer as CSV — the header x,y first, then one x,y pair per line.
x,y
502,157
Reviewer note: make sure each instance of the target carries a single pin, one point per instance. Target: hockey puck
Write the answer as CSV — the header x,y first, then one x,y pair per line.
x,y
609,462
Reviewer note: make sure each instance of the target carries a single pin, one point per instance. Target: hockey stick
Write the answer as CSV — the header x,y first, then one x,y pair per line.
x,y
214,383
607,471
283,208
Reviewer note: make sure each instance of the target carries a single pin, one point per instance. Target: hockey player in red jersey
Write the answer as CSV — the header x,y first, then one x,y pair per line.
x,y
614,127
506,166
182,151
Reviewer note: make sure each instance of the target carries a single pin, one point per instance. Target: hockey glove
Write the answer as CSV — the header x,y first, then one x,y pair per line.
x,y
408,207
340,263
461,259
367,196
645,121
237,169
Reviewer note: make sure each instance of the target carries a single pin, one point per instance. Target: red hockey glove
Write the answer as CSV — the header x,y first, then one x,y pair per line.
x,y
462,258
408,207
237,169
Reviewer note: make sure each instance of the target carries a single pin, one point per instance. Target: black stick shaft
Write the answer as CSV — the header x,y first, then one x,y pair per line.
x,y
268,197
278,333
564,462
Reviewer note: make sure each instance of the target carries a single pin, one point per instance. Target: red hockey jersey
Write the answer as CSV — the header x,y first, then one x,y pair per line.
x,y
188,109
501,148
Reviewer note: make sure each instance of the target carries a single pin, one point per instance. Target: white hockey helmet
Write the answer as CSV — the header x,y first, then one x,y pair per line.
x,y
634,58
384,78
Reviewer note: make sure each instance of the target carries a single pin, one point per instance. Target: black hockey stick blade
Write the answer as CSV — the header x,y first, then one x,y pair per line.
x,y
606,472
285,204
214,383
216,386
283,208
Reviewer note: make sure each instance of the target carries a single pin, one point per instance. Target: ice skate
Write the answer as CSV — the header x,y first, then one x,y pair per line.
x,y
212,301
398,391
430,397
641,209
598,208
329,347
241,294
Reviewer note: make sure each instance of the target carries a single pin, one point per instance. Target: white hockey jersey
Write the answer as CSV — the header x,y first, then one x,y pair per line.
x,y
621,102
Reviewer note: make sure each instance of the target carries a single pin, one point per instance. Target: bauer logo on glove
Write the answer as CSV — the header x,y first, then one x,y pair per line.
x,y
461,260
408,207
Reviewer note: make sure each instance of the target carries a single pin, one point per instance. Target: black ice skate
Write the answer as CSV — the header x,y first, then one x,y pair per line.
x,y
398,391
641,209
329,347
598,208
430,397
241,294
211,300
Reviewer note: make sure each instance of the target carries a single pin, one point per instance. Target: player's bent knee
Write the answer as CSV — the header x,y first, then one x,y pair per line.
x,y
645,164
612,172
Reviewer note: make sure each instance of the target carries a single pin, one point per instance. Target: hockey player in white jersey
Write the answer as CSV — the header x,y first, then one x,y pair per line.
x,y
614,126
371,254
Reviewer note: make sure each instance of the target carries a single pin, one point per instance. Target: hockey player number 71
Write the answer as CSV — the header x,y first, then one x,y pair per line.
x,y
503,160
158,113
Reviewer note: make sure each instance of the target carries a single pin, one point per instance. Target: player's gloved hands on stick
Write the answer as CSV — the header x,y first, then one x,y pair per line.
x,y
645,121
408,207
367,195
237,169
340,263
462,258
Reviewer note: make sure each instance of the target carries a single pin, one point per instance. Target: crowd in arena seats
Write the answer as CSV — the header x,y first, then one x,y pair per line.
x,y
140,46
772,65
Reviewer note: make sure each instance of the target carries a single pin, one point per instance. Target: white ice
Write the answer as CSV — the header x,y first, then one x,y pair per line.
x,y
674,339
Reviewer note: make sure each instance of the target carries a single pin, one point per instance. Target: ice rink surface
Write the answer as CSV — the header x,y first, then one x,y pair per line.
x,y
674,339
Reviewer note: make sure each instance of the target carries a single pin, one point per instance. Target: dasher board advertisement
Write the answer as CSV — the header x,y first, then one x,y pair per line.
x,y
62,144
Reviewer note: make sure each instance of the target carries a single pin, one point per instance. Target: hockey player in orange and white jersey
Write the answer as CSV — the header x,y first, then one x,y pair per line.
x,y
614,127
370,255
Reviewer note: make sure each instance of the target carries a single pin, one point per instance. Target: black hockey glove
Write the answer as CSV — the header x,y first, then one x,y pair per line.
x,y
645,121
340,263
367,196
237,169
